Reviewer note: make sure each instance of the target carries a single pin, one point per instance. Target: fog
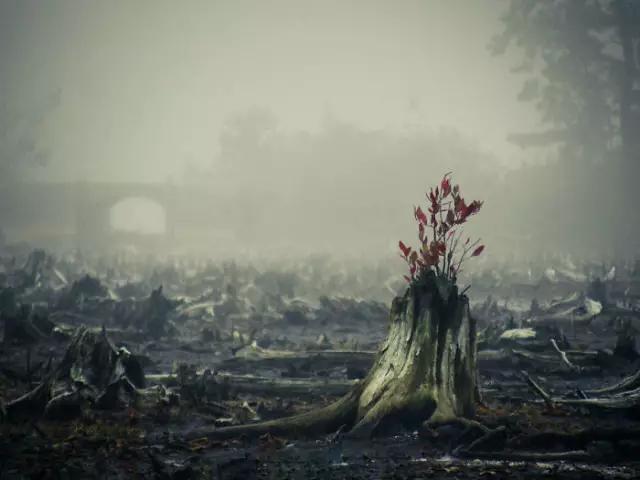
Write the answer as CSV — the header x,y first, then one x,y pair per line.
x,y
320,124
319,238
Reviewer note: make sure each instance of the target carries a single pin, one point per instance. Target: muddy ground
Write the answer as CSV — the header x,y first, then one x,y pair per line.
x,y
219,347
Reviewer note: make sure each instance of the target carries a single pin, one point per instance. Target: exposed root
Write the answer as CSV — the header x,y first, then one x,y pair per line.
x,y
317,422
459,421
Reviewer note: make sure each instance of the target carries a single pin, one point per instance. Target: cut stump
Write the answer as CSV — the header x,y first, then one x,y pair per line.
x,y
424,371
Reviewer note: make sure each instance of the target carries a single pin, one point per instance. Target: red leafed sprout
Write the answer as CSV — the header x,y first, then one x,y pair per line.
x,y
440,232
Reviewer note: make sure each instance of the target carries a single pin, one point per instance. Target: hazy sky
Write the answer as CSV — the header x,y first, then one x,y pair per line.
x,y
147,85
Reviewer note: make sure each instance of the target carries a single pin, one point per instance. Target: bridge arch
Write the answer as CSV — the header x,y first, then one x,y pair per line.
x,y
138,214
130,209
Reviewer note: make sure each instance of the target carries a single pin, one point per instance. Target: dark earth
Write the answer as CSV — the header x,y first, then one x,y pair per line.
x,y
227,344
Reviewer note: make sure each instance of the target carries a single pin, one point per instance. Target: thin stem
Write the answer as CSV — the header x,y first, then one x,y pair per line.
x,y
464,253
440,239
453,242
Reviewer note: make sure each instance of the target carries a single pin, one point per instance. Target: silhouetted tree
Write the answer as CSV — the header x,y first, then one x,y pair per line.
x,y
19,127
578,64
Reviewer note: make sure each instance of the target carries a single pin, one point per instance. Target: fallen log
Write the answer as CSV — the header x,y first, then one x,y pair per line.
x,y
571,456
629,383
574,440
271,386
302,361
625,401
325,360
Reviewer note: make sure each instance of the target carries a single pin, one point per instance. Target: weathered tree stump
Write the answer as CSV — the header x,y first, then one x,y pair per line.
x,y
425,370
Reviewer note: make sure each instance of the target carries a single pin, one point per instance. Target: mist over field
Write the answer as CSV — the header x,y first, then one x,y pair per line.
x,y
315,126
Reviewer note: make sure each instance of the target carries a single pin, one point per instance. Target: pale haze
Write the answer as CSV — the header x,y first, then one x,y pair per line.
x,y
145,88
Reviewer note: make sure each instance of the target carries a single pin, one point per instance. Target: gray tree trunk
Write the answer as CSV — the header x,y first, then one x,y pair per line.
x,y
426,369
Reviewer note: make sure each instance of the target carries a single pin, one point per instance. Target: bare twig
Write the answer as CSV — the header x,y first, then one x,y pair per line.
x,y
564,357
538,389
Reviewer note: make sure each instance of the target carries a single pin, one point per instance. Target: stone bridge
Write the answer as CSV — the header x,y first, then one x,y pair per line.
x,y
79,212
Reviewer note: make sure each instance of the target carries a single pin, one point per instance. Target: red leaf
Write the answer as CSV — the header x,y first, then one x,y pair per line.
x,y
420,215
421,232
445,186
407,278
405,250
477,251
428,259
473,208
468,210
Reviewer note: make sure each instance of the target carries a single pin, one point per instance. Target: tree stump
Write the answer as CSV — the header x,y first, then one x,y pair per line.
x,y
425,370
